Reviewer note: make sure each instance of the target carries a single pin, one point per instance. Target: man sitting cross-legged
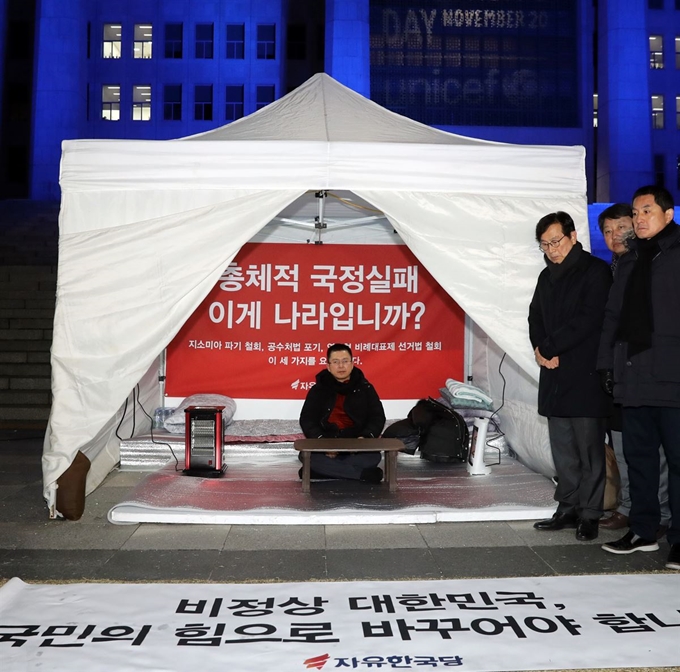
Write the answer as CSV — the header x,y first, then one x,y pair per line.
x,y
343,404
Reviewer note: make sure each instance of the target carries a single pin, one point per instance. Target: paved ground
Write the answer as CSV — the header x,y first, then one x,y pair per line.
x,y
91,549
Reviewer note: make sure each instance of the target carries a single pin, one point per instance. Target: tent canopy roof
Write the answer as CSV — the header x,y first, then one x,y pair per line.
x,y
323,135
324,110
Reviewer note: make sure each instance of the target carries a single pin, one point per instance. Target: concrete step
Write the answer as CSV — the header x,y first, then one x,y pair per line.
x,y
41,345
32,383
35,412
8,287
46,302
24,313
24,335
38,357
25,370
30,295
14,274
19,323
13,357
10,398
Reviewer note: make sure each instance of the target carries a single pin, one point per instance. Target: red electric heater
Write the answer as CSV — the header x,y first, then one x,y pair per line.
x,y
204,442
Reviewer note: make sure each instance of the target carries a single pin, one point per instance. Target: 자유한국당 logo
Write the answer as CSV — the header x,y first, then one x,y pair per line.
x,y
317,662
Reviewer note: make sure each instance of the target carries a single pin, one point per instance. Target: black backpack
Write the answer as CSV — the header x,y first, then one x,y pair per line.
x,y
405,431
444,436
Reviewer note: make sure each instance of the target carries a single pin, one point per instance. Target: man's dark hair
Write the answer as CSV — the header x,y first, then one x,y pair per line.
x,y
661,195
559,217
615,211
337,347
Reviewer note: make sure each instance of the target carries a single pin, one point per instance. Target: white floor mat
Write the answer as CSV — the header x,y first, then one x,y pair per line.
x,y
262,487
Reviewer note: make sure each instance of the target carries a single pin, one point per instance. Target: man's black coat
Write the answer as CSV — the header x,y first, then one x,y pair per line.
x,y
362,405
565,320
652,377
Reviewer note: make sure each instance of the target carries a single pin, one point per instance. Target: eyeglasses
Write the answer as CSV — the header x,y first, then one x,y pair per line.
x,y
336,362
544,245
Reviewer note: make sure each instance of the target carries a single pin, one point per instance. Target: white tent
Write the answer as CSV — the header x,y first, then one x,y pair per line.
x,y
147,227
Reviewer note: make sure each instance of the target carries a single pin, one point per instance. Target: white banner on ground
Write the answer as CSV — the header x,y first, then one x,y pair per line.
x,y
474,625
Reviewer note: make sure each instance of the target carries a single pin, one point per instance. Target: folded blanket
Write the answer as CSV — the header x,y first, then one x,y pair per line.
x,y
466,396
176,421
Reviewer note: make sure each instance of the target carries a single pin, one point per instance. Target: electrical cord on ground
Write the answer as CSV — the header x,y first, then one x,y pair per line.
x,y
153,440
122,417
492,419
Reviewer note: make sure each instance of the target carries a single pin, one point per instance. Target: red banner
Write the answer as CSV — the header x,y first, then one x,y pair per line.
x,y
263,331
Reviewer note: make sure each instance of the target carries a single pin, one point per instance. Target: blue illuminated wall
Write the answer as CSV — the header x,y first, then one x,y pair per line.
x,y
519,71
624,107
72,72
60,89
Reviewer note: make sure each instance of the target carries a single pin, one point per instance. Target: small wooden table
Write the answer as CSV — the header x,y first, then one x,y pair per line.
x,y
389,446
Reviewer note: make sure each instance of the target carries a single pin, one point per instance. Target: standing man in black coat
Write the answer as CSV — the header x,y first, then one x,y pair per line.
x,y
640,359
565,322
343,404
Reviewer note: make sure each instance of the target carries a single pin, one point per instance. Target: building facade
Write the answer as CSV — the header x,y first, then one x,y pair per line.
x,y
602,74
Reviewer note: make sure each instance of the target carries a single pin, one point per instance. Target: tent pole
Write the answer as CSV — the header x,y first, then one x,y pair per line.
x,y
319,223
467,355
161,378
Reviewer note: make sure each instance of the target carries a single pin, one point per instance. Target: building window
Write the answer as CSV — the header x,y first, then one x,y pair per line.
x,y
656,52
266,41
657,112
236,40
296,47
595,103
659,173
141,47
204,40
264,96
111,102
172,102
234,109
112,40
141,102
677,53
173,40
203,102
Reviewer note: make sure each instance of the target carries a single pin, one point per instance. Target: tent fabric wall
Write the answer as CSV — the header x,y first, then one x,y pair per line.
x,y
147,228
515,393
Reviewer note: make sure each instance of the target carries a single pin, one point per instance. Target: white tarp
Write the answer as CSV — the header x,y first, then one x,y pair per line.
x,y
146,228
538,623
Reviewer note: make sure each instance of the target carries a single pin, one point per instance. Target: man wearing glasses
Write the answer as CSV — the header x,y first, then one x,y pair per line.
x,y
565,321
343,404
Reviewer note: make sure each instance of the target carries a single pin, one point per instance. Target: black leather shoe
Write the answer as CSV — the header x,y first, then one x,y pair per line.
x,y
558,522
587,530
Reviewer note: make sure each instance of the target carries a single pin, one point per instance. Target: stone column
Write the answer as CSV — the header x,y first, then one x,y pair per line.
x,y
59,91
624,144
347,44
